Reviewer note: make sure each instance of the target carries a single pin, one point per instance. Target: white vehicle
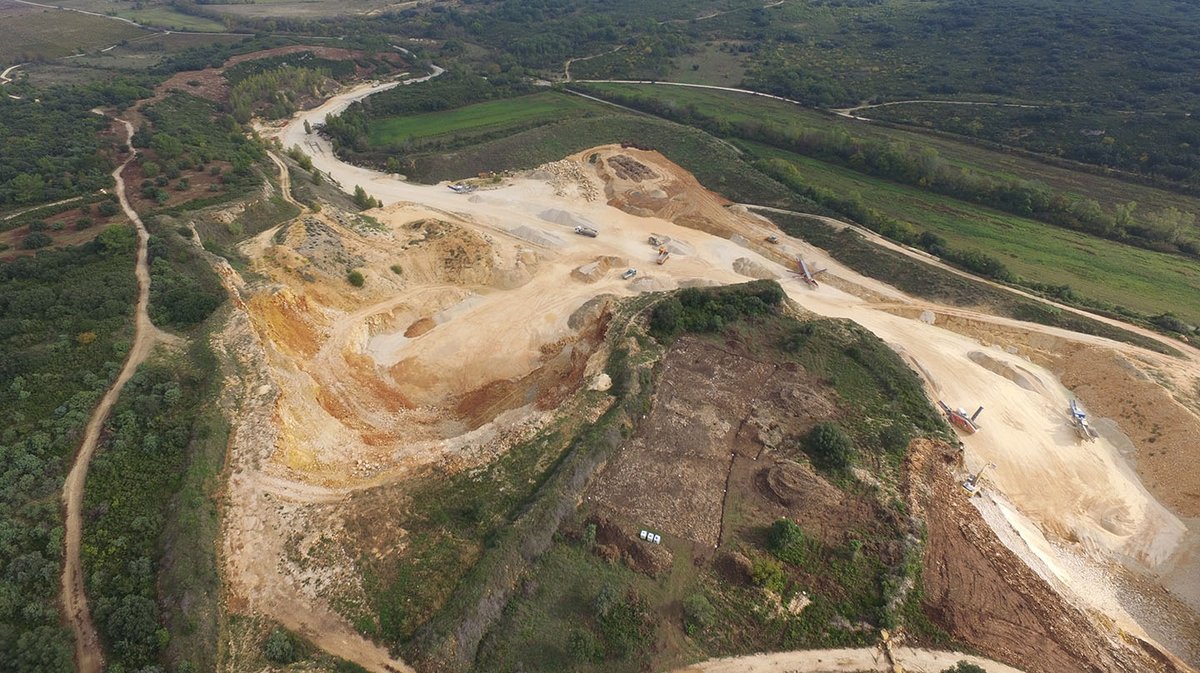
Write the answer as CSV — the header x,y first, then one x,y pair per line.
x,y
629,273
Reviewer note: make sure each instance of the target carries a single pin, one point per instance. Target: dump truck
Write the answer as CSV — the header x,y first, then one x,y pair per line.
x,y
663,254
629,273
586,231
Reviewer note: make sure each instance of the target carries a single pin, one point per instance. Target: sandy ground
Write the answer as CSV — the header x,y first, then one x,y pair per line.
x,y
1080,510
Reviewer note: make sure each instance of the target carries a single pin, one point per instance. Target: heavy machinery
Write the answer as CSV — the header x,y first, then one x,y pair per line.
x,y
586,231
629,273
971,485
809,277
663,254
959,418
1080,423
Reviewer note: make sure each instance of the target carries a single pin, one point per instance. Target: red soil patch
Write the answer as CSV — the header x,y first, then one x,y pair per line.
x,y
419,327
210,83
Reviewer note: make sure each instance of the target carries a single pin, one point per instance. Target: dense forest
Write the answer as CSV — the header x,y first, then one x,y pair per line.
x,y
52,146
64,331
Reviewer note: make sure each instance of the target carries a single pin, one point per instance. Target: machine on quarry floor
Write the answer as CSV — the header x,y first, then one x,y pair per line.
x,y
959,418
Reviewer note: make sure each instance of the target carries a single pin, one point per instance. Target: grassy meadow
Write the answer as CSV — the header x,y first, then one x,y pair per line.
x,y
498,115
1145,281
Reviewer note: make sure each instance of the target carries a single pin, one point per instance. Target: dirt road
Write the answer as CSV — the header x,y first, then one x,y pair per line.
x,y
861,660
89,656
849,111
285,181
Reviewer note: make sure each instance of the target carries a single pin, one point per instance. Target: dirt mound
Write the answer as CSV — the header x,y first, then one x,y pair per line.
x,y
652,284
793,484
537,236
594,271
419,327
566,218
751,269
1014,373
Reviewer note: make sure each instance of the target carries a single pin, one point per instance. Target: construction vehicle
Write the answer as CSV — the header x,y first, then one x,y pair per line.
x,y
586,231
959,418
809,277
1080,423
657,240
971,485
461,188
773,239
629,273
663,254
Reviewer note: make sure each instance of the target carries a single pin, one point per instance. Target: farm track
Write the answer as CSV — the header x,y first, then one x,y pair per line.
x,y
89,656
849,111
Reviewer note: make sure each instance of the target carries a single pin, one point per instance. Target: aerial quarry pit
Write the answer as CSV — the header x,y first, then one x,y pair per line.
x,y
483,312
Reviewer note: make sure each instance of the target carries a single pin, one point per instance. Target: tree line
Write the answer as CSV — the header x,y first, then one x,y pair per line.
x,y
1164,230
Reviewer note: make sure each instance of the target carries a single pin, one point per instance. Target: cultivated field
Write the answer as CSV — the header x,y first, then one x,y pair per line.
x,y
1143,280
494,116
35,33
165,17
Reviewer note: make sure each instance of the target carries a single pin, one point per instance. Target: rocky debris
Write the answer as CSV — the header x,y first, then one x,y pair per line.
x,y
628,168
323,247
601,383
751,269
768,431
564,174
651,284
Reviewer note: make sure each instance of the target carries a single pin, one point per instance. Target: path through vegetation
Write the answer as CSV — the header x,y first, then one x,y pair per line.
x,y
89,655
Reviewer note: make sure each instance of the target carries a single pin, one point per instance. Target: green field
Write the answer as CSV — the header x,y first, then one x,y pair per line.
x,y
165,17
495,115
1139,279
736,107
46,34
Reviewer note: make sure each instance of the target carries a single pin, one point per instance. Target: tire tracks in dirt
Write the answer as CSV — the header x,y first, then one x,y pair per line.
x,y
89,655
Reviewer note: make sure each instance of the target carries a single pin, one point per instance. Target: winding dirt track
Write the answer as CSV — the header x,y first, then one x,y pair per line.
x,y
89,655
843,661
285,181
